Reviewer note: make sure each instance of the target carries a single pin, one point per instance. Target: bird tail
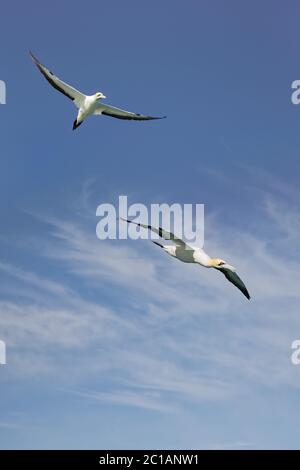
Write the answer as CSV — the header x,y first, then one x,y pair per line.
x,y
76,124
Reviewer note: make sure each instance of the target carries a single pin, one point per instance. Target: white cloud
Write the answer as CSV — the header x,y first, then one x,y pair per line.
x,y
167,332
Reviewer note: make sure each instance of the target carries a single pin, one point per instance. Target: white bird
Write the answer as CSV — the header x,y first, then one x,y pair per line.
x,y
87,105
189,254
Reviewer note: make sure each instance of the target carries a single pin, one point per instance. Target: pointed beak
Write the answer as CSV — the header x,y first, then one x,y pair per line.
x,y
228,266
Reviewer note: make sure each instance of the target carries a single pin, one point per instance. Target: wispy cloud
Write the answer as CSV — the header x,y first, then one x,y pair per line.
x,y
160,332
237,445
150,400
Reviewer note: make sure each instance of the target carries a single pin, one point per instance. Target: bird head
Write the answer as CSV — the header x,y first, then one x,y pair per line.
x,y
99,95
220,263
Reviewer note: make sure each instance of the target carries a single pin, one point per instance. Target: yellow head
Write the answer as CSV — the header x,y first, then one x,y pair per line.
x,y
99,95
217,262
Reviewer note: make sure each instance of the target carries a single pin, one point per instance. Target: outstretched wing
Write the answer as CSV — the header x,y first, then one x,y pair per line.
x,y
163,234
118,113
59,85
235,279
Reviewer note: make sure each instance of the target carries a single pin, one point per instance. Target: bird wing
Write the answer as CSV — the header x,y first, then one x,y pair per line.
x,y
59,85
118,113
236,280
163,234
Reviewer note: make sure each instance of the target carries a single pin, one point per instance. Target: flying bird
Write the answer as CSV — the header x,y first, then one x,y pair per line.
x,y
189,254
88,104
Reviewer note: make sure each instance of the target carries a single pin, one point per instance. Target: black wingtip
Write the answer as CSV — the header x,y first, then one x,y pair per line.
x,y
33,57
151,118
36,61
246,293
128,221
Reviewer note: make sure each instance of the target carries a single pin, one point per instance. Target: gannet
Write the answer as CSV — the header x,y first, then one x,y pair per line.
x,y
88,104
189,254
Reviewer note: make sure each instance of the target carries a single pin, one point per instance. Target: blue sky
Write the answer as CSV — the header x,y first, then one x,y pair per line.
x,y
110,344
